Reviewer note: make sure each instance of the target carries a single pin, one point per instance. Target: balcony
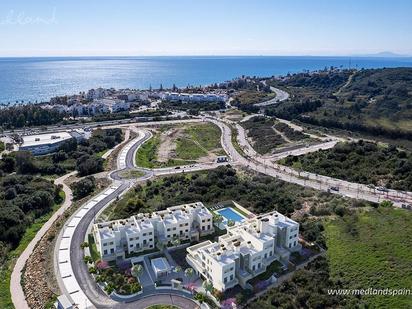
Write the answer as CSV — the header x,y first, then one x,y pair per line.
x,y
231,284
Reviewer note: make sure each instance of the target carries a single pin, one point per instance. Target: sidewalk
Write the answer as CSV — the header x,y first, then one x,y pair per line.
x,y
17,294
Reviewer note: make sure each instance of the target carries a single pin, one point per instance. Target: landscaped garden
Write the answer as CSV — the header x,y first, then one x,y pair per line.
x,y
121,278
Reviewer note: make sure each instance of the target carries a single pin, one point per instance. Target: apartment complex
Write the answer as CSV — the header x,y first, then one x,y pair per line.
x,y
245,251
194,97
141,232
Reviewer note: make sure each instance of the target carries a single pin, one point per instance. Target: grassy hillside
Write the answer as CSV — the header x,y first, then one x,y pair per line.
x,y
373,101
372,250
362,162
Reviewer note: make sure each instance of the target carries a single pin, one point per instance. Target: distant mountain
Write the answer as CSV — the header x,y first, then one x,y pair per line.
x,y
374,101
384,54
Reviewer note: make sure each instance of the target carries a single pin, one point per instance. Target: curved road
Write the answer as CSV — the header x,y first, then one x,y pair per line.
x,y
72,273
318,182
280,96
76,275
16,290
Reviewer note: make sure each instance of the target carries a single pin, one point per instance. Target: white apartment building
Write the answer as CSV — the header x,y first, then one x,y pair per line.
x,y
245,251
40,144
196,97
112,105
98,93
141,232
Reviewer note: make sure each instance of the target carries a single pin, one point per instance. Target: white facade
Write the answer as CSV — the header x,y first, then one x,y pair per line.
x,y
140,232
97,93
196,97
245,251
41,144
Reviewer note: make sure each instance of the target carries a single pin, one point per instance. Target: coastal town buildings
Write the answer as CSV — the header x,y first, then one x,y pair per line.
x,y
193,97
247,249
115,239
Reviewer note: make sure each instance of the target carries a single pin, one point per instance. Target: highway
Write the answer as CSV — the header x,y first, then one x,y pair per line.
x,y
319,182
72,273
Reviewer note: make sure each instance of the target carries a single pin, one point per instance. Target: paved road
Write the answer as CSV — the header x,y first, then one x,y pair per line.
x,y
88,294
280,96
78,267
160,299
91,125
319,182
16,290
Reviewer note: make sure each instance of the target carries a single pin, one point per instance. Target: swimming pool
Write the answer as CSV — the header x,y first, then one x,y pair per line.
x,y
229,214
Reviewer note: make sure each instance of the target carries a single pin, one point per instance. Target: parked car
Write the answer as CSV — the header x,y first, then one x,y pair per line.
x,y
334,189
407,206
382,189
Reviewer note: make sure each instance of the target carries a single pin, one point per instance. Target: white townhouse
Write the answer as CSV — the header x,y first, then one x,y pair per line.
x,y
141,232
245,251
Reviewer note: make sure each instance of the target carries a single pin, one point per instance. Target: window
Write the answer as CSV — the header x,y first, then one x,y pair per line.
x,y
231,277
225,280
150,233
111,250
144,234
105,252
174,229
290,245
111,242
168,230
266,255
105,244
131,246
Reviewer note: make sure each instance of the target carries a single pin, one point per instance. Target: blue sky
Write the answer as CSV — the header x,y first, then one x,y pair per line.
x,y
204,27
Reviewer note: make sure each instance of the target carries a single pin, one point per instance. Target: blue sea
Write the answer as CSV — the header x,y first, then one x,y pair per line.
x,y
39,79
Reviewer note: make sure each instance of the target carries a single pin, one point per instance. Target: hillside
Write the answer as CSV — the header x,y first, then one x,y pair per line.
x,y
373,101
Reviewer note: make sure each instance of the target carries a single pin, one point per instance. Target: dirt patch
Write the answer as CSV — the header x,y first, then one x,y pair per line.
x,y
167,145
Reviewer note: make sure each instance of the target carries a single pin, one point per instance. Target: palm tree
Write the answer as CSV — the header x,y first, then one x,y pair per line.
x,y
160,245
137,270
217,219
177,269
208,286
176,242
230,223
189,272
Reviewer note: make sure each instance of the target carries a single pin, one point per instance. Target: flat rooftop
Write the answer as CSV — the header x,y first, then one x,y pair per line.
x,y
43,139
